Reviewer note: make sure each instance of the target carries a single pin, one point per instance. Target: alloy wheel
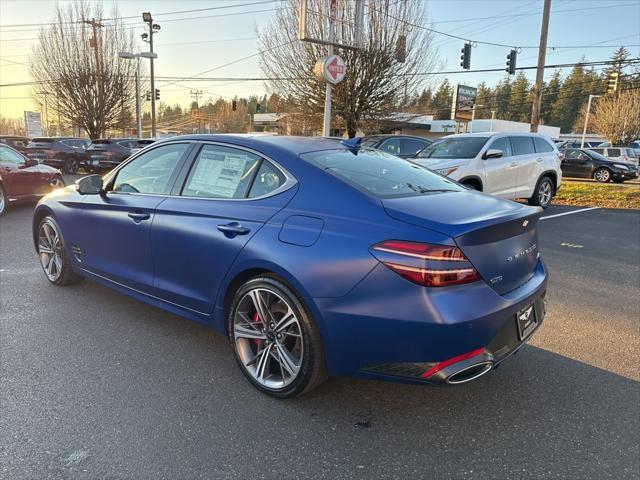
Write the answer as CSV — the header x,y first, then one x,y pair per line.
x,y
602,175
50,251
71,166
545,192
268,338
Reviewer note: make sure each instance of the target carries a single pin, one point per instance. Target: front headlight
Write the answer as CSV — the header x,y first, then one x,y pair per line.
x,y
620,166
446,171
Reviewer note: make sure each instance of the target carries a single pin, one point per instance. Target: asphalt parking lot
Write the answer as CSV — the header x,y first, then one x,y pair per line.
x,y
96,385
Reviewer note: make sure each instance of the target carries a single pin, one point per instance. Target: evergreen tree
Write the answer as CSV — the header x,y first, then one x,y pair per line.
x,y
502,98
549,95
442,101
484,96
570,99
519,108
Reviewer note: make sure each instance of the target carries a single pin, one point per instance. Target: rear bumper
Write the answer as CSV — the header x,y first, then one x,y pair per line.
x,y
391,329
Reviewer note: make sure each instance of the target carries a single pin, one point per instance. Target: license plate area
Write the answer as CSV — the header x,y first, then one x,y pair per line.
x,y
526,321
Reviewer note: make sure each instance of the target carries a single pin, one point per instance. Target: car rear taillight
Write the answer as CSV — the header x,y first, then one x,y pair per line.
x,y
426,264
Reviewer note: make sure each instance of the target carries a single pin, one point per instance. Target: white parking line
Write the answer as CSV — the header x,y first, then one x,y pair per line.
x,y
569,213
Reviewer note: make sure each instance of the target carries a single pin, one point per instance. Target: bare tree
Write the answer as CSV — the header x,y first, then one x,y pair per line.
x,y
617,118
376,85
93,88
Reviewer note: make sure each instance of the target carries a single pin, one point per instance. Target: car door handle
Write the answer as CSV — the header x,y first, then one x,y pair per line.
x,y
539,159
232,229
139,216
513,164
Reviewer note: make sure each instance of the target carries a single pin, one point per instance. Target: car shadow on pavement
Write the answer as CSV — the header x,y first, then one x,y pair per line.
x,y
128,381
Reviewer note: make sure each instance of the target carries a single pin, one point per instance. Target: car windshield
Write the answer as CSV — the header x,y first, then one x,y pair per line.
x,y
379,173
454,147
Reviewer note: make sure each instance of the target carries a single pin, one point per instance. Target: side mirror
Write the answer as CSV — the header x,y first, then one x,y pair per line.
x,y
90,185
30,162
493,153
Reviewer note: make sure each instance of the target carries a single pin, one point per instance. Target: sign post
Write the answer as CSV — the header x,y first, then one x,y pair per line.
x,y
32,124
464,99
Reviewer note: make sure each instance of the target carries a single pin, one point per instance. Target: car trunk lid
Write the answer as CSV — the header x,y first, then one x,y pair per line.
x,y
498,237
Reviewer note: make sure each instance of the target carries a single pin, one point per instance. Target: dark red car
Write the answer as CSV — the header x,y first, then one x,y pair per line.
x,y
23,179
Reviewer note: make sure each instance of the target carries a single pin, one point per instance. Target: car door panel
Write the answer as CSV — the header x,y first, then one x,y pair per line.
x,y
198,232
191,249
500,177
115,241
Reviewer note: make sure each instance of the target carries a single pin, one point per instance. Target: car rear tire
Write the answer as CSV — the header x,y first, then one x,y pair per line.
x,y
53,254
71,166
274,338
602,175
543,193
3,201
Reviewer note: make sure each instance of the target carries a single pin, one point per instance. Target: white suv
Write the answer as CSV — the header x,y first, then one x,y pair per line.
x,y
508,165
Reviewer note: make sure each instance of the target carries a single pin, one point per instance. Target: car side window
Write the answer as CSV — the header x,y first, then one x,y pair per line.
x,y
151,172
221,172
411,146
391,146
541,145
613,152
522,145
503,144
572,154
9,156
598,150
268,179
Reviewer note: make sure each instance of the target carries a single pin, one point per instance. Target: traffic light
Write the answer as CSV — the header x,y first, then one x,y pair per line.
x,y
157,94
511,62
466,56
258,108
612,82
148,96
234,105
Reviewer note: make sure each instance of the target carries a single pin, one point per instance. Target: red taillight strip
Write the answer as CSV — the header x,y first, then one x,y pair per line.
x,y
458,271
441,365
419,255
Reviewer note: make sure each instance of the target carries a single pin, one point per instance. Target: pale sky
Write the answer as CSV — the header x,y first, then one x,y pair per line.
x,y
190,43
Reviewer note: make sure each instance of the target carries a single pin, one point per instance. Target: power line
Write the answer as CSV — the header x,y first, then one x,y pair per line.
x,y
221,7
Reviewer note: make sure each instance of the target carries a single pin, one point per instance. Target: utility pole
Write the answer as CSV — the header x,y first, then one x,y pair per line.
x,y
196,94
586,119
542,52
95,44
146,17
326,129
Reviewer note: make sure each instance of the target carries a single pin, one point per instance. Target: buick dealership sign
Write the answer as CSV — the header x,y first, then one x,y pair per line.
x,y
331,69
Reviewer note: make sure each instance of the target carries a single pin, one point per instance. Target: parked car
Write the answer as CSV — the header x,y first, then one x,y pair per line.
x,y
66,153
314,258
107,153
625,155
508,165
586,163
16,142
563,145
22,179
403,146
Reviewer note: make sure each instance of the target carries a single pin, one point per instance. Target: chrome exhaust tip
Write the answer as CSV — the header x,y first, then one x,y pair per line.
x,y
469,373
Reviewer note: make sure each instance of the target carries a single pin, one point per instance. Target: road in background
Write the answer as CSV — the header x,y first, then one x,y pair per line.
x,y
98,385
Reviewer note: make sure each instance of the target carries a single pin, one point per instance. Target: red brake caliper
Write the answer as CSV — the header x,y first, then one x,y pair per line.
x,y
257,324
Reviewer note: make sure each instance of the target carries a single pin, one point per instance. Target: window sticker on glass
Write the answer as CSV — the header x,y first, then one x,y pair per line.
x,y
219,172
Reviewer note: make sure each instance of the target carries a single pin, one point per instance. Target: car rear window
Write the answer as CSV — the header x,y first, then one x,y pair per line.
x,y
380,174
542,145
522,145
613,152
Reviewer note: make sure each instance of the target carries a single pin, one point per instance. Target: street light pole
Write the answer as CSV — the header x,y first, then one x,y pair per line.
x,y
137,56
586,118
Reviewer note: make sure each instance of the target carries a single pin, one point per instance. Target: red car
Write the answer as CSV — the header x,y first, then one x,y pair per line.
x,y
22,179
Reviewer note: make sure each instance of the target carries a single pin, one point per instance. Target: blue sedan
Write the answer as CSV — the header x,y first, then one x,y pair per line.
x,y
316,257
